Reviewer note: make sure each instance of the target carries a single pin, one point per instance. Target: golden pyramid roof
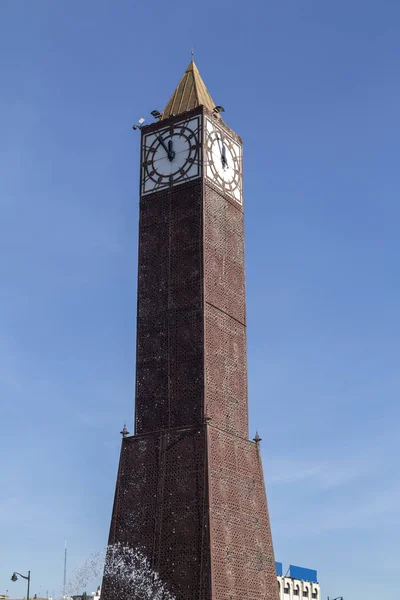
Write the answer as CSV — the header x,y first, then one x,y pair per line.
x,y
191,91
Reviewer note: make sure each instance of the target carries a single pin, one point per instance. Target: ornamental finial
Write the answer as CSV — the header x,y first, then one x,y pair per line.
x,y
257,438
124,432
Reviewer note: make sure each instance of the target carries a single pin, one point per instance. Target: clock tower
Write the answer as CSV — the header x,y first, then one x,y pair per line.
x,y
190,495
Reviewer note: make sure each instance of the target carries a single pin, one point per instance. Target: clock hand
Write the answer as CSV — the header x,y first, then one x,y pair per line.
x,y
219,145
170,156
222,150
171,153
223,155
162,143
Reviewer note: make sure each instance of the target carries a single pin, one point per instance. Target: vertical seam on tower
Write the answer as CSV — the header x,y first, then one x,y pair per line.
x,y
240,506
208,510
202,243
169,313
135,428
207,491
159,504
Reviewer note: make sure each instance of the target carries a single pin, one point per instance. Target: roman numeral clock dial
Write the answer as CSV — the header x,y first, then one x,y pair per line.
x,y
224,161
171,156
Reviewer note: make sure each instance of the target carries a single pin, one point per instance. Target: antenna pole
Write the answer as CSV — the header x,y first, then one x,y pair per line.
x,y
65,570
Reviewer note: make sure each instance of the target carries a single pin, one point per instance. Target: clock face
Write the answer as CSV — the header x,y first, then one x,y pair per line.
x,y
223,161
171,156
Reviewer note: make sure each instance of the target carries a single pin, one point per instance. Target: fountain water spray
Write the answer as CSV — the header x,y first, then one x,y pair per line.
x,y
128,567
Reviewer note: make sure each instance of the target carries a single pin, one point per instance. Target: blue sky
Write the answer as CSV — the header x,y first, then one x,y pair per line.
x,y
313,89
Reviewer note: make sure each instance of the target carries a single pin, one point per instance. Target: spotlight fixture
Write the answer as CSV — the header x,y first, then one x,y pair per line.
x,y
156,114
219,109
139,124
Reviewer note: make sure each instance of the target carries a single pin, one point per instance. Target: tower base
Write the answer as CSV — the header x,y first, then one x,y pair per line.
x,y
192,502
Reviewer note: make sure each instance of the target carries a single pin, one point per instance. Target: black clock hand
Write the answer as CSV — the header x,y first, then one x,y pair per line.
x,y
219,145
222,150
165,147
162,143
171,153
223,155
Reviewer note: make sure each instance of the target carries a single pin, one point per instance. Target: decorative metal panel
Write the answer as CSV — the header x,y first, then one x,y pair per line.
x,y
224,255
169,369
161,510
243,564
224,315
226,371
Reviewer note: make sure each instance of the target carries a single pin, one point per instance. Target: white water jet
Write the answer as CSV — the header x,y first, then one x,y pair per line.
x,y
129,567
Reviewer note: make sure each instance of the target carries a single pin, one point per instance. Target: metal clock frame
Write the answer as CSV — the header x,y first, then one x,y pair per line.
x,y
193,134
216,179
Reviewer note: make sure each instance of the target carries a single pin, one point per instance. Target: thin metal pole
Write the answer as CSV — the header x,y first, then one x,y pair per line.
x,y
29,581
65,569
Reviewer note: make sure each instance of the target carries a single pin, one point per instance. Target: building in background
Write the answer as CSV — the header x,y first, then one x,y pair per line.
x,y
92,596
298,584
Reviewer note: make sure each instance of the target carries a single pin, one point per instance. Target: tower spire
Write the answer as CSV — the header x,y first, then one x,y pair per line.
x,y
190,92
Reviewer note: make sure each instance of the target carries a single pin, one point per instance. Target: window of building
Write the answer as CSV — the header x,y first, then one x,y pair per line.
x,y
296,591
305,593
287,590
315,595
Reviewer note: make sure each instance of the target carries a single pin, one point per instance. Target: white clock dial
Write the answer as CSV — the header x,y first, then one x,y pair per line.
x,y
224,161
171,156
